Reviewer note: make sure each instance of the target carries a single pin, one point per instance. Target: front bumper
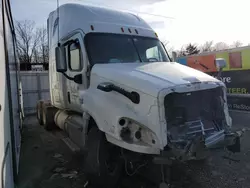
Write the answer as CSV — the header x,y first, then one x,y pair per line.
x,y
201,148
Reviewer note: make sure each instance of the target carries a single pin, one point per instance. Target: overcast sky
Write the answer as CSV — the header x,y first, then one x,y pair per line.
x,y
194,21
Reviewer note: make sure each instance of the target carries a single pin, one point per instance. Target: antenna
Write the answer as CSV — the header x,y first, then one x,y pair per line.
x,y
58,43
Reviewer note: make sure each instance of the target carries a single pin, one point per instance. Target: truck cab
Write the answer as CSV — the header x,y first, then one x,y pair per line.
x,y
116,93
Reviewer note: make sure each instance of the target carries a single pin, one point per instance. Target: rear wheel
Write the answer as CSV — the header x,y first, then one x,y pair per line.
x,y
48,117
39,112
103,164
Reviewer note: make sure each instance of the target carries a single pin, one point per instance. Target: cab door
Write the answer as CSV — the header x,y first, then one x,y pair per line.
x,y
77,66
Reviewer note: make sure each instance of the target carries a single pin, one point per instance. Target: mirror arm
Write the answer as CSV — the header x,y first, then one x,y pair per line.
x,y
68,77
77,78
219,73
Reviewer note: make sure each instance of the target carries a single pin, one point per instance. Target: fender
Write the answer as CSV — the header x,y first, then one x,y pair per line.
x,y
108,108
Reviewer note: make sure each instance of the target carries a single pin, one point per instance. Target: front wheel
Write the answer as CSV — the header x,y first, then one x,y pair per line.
x,y
103,163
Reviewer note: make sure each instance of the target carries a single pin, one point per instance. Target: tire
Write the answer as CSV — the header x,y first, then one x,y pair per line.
x,y
203,158
39,112
48,117
95,163
202,162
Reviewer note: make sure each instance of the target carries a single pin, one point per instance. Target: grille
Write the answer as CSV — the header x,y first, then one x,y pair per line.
x,y
195,115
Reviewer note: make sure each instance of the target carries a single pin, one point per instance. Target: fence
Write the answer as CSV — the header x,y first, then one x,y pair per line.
x,y
35,86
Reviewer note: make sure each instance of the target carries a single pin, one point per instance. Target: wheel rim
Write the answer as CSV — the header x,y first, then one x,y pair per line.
x,y
38,114
44,118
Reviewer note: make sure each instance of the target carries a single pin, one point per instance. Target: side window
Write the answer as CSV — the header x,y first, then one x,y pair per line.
x,y
153,54
75,57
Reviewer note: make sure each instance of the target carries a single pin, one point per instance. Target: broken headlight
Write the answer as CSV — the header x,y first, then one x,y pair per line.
x,y
134,132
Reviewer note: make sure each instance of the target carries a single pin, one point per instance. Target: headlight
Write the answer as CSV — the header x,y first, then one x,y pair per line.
x,y
133,132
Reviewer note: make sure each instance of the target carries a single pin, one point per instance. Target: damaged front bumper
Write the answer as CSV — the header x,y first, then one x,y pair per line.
x,y
200,147
198,123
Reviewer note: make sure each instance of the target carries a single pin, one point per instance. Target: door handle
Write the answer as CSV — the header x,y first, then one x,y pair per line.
x,y
69,97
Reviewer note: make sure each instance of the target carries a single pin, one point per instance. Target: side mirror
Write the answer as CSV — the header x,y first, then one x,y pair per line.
x,y
106,87
174,56
220,63
61,65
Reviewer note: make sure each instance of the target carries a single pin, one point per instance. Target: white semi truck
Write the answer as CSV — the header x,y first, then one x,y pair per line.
x,y
119,98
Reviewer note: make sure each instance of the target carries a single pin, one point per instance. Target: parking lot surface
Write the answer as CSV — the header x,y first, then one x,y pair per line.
x,y
46,162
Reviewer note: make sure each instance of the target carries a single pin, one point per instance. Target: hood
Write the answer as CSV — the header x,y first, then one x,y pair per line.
x,y
151,77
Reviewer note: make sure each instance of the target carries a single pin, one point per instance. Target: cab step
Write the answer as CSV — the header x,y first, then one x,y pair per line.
x,y
72,146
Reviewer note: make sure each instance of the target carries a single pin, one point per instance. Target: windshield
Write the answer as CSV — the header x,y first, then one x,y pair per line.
x,y
113,48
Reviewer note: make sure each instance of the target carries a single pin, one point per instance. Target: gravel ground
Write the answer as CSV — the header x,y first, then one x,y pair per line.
x,y
46,162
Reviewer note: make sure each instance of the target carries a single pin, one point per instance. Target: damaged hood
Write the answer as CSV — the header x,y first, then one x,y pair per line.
x,y
150,78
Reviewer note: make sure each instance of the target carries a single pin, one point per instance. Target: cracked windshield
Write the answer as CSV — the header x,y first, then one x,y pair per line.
x,y
125,94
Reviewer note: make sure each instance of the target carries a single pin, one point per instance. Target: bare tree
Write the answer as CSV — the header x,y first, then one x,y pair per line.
x,y
165,43
236,44
221,46
181,52
207,46
191,49
45,46
168,47
27,40
42,48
